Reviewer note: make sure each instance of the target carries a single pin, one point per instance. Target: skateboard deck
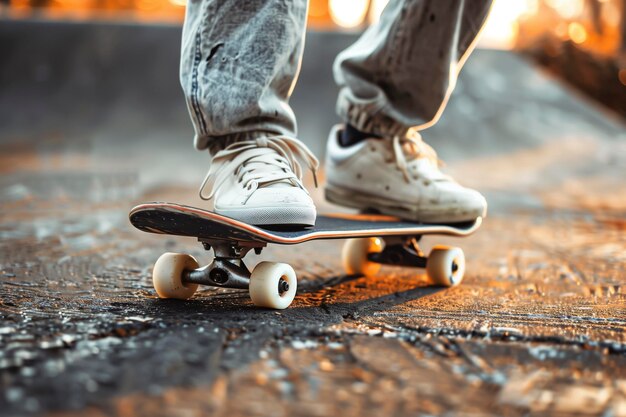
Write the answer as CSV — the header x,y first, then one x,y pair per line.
x,y
373,240
181,220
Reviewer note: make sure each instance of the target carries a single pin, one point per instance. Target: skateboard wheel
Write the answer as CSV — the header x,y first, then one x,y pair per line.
x,y
445,265
354,256
167,275
273,285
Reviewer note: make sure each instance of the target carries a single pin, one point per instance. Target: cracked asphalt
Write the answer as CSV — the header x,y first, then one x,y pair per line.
x,y
536,328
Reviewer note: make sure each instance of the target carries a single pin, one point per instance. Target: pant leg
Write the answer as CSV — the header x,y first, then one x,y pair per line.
x,y
239,63
401,71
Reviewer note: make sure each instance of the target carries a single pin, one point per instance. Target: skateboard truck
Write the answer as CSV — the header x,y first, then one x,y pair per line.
x,y
227,269
400,252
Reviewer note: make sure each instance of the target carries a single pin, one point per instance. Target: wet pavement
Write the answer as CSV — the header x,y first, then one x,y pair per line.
x,y
536,328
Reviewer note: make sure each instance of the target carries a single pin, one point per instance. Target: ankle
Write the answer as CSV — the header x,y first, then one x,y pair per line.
x,y
350,135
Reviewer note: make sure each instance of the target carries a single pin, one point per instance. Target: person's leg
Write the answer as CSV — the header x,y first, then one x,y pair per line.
x,y
394,81
239,63
401,71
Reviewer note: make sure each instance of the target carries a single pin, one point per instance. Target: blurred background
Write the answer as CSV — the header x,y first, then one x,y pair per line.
x,y
584,41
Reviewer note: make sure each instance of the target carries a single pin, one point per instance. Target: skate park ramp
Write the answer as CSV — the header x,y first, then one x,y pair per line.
x,y
111,92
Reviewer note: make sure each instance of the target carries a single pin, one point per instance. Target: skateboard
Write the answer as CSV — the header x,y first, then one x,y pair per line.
x,y
372,241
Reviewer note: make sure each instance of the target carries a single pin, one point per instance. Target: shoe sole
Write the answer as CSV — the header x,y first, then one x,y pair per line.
x,y
364,201
264,216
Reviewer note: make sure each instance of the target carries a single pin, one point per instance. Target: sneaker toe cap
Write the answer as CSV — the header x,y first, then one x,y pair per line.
x,y
279,197
473,203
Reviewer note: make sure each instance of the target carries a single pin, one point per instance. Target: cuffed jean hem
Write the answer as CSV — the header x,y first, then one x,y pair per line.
x,y
369,116
215,143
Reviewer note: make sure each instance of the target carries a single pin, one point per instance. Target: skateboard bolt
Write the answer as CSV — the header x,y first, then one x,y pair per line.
x,y
283,286
218,276
455,267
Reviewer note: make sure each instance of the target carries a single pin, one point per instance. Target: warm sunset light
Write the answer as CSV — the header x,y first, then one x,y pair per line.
x,y
376,8
501,29
621,75
568,9
577,32
348,13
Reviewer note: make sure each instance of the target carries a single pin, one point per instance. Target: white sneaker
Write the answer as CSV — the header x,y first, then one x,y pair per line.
x,y
398,177
259,182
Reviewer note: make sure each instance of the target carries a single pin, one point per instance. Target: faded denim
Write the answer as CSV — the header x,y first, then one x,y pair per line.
x,y
240,61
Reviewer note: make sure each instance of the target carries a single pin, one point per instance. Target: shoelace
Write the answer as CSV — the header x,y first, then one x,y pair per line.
x,y
412,145
261,161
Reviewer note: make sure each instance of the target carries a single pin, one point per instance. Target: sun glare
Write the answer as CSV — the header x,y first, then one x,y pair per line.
x,y
501,28
348,13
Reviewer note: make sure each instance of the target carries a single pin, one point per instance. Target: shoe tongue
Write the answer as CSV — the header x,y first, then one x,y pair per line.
x,y
265,167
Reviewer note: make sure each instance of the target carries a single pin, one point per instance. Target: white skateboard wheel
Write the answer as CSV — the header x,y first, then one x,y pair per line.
x,y
167,275
354,256
273,285
445,265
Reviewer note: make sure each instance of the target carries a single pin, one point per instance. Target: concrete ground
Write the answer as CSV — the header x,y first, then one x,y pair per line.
x,y
536,328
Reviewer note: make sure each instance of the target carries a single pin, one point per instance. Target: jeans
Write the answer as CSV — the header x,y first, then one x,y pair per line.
x,y
240,61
